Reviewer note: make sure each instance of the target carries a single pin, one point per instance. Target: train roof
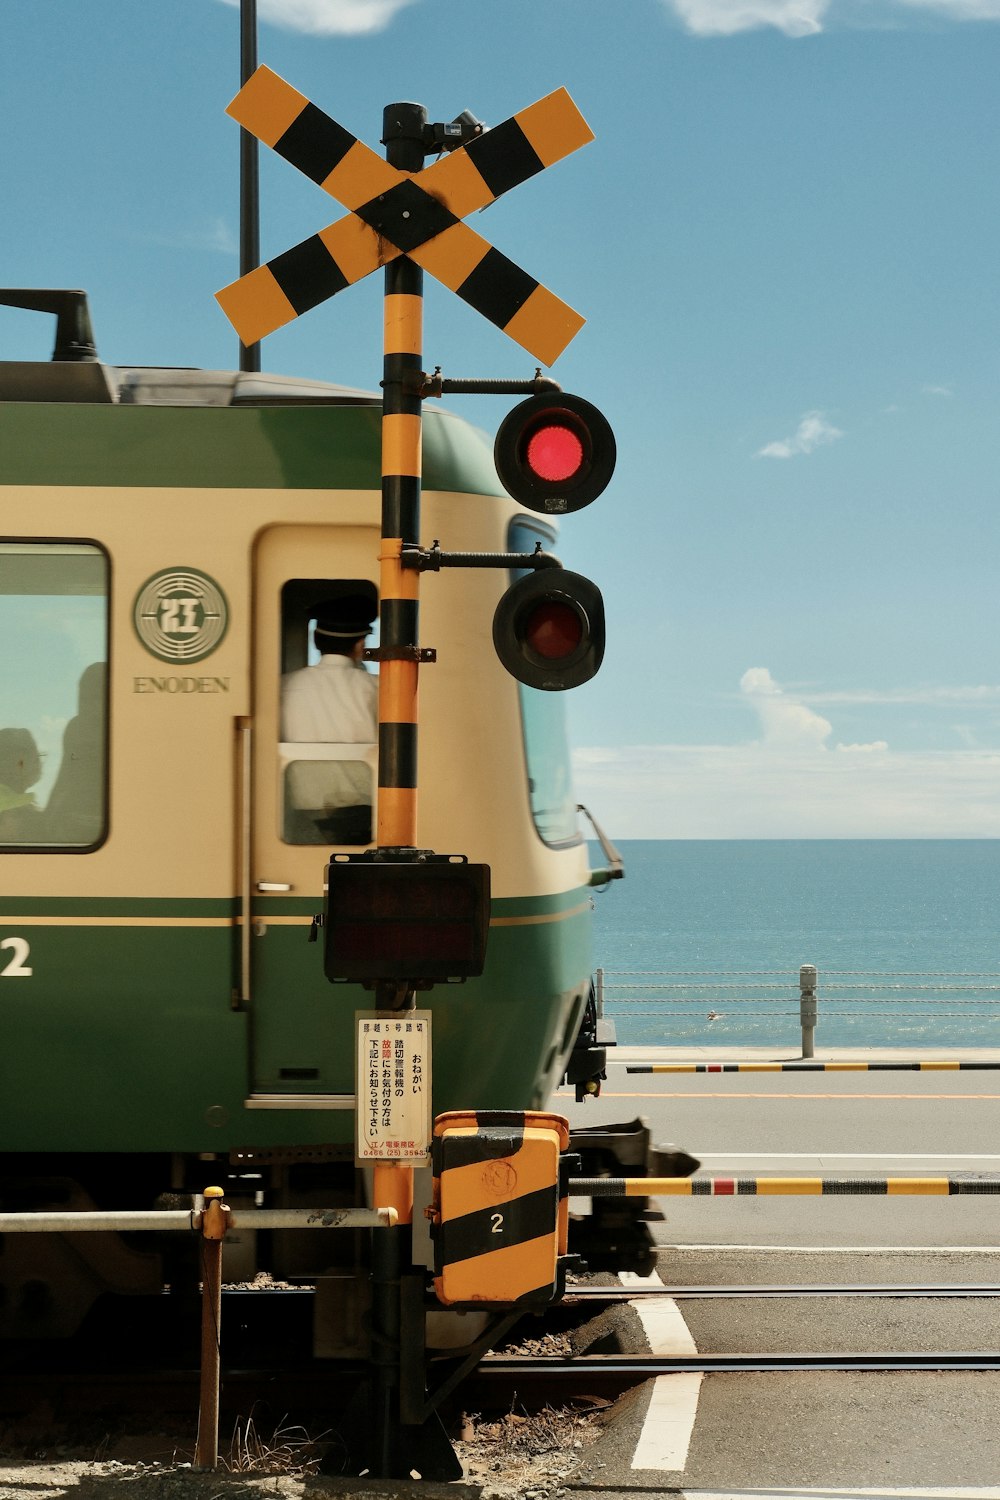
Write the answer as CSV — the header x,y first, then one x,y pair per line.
x,y
75,374
61,422
92,383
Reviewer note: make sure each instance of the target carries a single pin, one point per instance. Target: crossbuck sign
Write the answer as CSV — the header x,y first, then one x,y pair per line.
x,y
396,213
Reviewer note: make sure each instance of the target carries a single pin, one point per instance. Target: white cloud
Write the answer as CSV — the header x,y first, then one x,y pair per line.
x,y
926,697
726,17
768,791
215,235
960,10
790,783
812,432
329,17
798,18
940,390
782,720
873,749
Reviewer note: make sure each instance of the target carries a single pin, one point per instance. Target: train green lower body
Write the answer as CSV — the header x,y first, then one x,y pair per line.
x,y
124,1030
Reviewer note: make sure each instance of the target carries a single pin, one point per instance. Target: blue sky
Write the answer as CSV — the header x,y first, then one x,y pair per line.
x,y
785,241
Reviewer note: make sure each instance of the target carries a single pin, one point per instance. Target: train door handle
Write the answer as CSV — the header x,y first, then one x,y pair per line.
x,y
272,885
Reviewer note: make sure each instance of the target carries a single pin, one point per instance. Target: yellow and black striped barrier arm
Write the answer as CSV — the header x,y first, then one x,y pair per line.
x,y
393,214
944,1065
782,1187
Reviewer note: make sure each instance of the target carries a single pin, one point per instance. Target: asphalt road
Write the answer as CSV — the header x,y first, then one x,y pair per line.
x,y
813,1434
816,1124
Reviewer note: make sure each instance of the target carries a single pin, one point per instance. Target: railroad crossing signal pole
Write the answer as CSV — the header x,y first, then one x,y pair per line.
x,y
406,220
399,587
399,590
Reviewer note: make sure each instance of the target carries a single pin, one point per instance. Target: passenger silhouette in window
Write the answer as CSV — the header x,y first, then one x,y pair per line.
x,y
75,809
20,768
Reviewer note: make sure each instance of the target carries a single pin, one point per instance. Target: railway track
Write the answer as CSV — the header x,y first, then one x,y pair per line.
x,y
785,1289
81,1380
533,1379
632,1368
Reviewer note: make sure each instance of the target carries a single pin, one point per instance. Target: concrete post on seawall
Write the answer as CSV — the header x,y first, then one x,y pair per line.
x,y
807,1006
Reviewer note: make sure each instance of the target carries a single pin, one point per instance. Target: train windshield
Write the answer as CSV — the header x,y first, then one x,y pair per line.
x,y
53,695
543,720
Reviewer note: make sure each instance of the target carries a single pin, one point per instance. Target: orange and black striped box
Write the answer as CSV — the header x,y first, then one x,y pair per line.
x,y
500,1212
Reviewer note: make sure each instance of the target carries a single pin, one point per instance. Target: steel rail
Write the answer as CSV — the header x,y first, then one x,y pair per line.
x,y
647,1366
789,1289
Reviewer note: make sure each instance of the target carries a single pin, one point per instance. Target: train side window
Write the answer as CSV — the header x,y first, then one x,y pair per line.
x,y
53,696
543,723
327,756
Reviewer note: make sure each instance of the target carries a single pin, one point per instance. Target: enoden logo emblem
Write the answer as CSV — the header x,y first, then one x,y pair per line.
x,y
180,615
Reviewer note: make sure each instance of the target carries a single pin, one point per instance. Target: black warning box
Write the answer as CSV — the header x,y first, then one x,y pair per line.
x,y
421,921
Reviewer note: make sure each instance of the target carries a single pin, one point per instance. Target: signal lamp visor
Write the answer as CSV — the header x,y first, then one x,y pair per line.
x,y
555,453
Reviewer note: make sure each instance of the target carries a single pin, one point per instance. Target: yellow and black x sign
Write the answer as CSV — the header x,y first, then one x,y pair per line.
x,y
401,213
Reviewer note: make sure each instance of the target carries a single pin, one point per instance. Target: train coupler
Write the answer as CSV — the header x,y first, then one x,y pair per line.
x,y
586,1066
614,1234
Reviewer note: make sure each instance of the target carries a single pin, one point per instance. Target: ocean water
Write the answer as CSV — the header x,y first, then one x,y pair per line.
x,y
905,935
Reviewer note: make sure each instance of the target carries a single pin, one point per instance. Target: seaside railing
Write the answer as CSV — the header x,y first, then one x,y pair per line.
x,y
671,994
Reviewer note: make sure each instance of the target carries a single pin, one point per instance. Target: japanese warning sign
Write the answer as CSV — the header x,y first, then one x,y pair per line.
x,y
394,1087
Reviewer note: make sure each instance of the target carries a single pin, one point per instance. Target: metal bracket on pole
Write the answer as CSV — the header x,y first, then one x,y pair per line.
x,y
432,559
438,385
418,654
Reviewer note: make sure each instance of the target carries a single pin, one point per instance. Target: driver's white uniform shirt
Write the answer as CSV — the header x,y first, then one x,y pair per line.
x,y
335,701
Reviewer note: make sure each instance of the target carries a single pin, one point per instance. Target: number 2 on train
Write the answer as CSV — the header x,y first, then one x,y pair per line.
x,y
16,968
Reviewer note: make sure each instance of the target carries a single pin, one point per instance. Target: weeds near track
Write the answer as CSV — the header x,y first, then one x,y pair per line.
x,y
289,1450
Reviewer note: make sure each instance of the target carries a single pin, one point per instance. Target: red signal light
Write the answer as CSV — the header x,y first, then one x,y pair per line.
x,y
548,629
553,630
555,453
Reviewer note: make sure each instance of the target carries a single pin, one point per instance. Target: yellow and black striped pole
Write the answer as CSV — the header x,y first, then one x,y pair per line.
x,y
399,606
398,586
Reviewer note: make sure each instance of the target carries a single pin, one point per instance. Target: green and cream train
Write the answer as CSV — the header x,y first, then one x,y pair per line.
x,y
165,538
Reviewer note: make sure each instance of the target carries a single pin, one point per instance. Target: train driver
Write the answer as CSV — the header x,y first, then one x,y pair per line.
x,y
334,701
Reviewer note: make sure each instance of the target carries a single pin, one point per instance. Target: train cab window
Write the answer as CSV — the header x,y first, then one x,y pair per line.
x,y
543,721
329,712
53,695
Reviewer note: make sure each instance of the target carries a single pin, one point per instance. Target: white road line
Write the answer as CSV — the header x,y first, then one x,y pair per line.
x,y
847,1156
669,1421
697,1248
830,1492
666,1432
662,1321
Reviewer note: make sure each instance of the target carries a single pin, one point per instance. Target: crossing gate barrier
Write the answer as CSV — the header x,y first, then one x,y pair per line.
x,y
785,1187
500,1215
